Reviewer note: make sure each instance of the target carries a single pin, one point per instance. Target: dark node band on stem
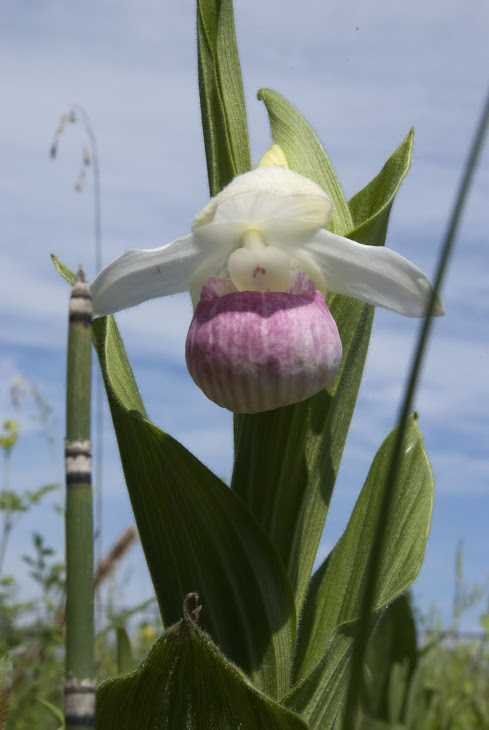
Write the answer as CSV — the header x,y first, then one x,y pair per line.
x,y
80,703
78,462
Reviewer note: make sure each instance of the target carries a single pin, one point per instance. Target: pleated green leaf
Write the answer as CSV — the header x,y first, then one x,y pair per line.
x,y
221,94
186,683
337,587
305,154
321,695
370,207
287,460
198,536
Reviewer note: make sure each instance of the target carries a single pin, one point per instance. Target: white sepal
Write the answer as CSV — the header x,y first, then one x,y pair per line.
x,y
372,274
142,274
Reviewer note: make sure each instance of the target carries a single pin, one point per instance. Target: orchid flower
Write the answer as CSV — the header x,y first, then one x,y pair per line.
x,y
258,264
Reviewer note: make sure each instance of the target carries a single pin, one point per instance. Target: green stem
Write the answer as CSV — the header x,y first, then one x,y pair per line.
x,y
364,624
79,683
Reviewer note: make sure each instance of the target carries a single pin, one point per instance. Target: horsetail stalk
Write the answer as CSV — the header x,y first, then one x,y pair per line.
x,y
79,681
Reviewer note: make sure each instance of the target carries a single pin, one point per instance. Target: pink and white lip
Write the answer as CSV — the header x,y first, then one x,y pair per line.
x,y
253,351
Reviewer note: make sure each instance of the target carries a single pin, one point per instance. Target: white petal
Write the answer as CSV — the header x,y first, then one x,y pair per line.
x,y
142,274
275,200
373,274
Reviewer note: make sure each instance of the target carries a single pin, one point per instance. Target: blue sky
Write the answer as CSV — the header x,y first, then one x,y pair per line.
x,y
362,73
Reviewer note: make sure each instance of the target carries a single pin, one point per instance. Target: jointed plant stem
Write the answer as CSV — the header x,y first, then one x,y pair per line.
x,y
79,684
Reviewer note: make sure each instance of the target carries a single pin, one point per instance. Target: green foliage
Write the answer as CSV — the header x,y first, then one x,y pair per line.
x,y
13,504
334,600
221,94
370,208
9,437
48,575
125,660
55,712
392,657
440,686
337,587
305,154
65,272
215,546
11,501
33,633
38,667
187,684
5,688
30,630
286,461
446,691
449,690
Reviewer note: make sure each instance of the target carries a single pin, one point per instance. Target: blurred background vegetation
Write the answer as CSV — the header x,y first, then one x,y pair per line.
x,y
32,628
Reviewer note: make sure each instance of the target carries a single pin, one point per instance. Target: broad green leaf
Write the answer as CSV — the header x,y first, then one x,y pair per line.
x,y
221,94
65,272
232,86
337,587
371,206
319,698
125,661
305,154
287,460
198,536
186,683
392,644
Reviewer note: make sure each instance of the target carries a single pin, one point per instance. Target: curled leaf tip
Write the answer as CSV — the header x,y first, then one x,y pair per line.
x,y
191,607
